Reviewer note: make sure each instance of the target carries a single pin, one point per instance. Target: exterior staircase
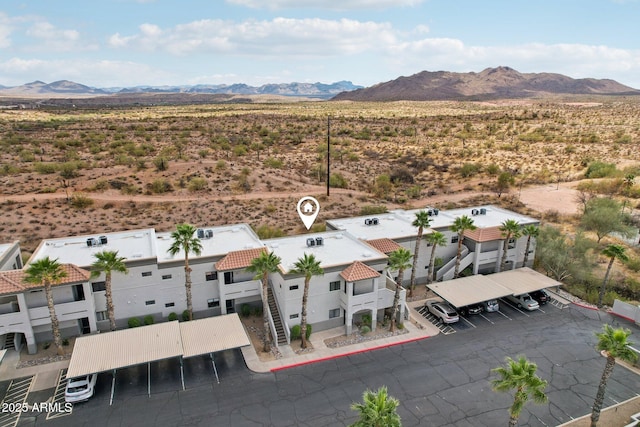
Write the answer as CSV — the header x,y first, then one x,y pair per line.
x,y
275,315
9,340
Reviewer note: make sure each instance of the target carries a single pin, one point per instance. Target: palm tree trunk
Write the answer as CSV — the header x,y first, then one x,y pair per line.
x,y
187,285
55,326
396,301
526,252
432,269
416,251
265,313
597,405
505,248
604,282
303,315
109,297
457,269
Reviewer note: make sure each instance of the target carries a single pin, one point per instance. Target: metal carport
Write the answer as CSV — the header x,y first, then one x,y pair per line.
x,y
523,280
130,347
469,290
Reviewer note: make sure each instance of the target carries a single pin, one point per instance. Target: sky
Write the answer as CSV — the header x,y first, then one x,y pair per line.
x,y
124,43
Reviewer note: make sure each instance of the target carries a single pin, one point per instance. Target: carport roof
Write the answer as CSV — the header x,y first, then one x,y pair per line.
x,y
469,290
136,346
523,280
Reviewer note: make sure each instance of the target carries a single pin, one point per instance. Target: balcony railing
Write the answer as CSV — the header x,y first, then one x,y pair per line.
x,y
68,311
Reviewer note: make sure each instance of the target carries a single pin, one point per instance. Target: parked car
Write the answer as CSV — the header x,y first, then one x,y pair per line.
x,y
491,305
524,301
80,389
541,296
470,309
443,311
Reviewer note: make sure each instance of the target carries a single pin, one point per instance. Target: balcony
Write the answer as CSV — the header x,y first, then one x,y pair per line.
x,y
247,288
66,311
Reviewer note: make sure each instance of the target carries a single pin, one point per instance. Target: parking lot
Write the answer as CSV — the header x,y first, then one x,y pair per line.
x,y
440,381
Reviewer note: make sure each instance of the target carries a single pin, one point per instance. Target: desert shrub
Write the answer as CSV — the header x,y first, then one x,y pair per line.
x,y
469,169
493,169
80,201
161,163
402,174
273,162
197,184
633,264
148,319
338,181
160,186
172,316
373,209
269,232
239,150
295,332
245,310
185,315
46,168
414,192
365,330
221,165
133,322
600,169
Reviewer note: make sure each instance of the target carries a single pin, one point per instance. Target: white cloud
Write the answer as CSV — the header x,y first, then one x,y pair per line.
x,y
52,39
325,4
6,28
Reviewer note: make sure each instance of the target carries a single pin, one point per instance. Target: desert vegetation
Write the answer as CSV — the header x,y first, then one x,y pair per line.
x,y
71,171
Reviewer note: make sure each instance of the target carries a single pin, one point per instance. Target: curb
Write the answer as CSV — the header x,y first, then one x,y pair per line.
x,y
585,306
336,356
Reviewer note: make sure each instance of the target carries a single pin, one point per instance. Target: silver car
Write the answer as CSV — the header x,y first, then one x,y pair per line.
x,y
443,311
491,306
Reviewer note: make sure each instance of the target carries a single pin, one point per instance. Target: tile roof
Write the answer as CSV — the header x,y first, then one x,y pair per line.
x,y
358,271
484,234
238,259
12,281
384,245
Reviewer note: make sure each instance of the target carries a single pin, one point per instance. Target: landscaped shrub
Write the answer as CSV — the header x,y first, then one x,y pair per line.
x,y
365,330
65,342
148,319
133,322
245,310
257,311
308,334
295,332
185,315
172,316
366,320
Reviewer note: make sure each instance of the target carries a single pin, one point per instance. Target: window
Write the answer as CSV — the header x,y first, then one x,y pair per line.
x,y
166,276
335,286
511,244
211,275
293,288
454,239
334,313
150,302
228,277
101,315
212,303
18,261
170,304
294,316
99,286
146,273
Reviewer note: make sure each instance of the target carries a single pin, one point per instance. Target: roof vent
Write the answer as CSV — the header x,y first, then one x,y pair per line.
x,y
367,254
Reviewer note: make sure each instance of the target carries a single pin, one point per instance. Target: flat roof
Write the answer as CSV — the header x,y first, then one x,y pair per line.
x,y
213,334
132,245
475,289
392,225
338,248
4,247
493,217
124,348
469,290
224,239
130,347
523,280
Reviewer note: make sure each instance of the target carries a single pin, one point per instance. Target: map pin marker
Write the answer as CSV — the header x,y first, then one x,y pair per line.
x,y
308,209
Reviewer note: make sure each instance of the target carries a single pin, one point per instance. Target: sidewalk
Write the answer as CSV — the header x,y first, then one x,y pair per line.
x,y
418,328
46,374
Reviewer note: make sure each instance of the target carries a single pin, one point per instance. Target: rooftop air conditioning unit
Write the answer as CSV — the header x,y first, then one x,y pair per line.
x,y
319,241
367,221
208,234
311,242
430,212
474,212
436,211
91,242
483,211
200,233
103,240
375,221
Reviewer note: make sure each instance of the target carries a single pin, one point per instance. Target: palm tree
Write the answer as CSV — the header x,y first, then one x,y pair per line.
x,y
184,239
261,266
107,262
377,410
519,375
48,272
510,230
612,251
614,344
529,231
460,225
398,260
435,239
421,221
309,267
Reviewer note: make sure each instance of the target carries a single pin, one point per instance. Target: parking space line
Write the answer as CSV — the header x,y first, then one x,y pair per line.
x,y
514,307
504,315
15,397
467,321
58,397
541,310
486,318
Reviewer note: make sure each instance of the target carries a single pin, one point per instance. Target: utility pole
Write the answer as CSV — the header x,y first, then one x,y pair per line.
x,y
328,152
